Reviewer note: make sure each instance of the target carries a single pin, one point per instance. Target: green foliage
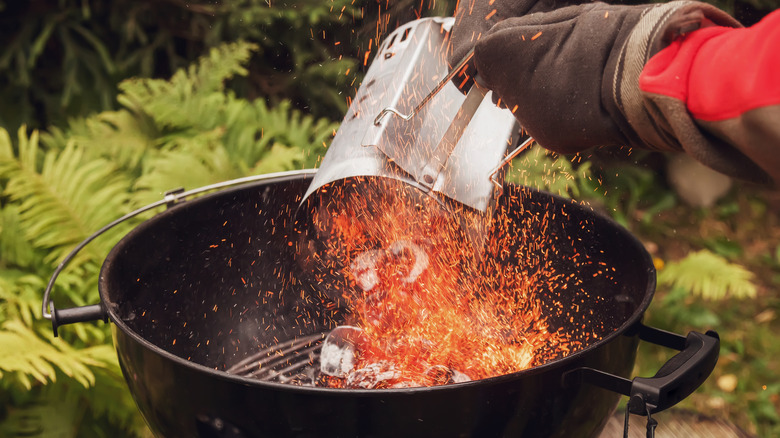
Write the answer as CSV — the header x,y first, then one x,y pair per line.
x,y
709,276
220,136
628,191
15,249
60,186
310,48
35,359
59,196
65,59
621,189
20,295
544,170
199,88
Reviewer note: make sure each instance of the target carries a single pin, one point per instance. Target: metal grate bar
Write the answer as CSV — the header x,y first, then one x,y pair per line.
x,y
280,362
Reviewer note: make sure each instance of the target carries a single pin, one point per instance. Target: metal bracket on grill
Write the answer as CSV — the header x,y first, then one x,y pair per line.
x,y
172,197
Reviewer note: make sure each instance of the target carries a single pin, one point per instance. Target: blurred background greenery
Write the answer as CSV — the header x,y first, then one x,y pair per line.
x,y
108,104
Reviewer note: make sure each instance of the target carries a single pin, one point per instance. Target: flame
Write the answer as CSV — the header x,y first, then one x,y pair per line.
x,y
425,304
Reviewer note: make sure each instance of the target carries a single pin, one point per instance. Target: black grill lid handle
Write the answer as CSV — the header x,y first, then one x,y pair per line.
x,y
96,312
676,379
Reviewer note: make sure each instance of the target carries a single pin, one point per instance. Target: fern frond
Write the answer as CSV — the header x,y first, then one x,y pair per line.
x,y
279,158
20,295
542,170
188,162
292,128
119,136
30,358
15,249
326,76
192,97
709,276
259,132
61,197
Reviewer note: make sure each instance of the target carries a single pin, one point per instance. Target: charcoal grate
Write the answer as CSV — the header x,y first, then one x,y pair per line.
x,y
295,361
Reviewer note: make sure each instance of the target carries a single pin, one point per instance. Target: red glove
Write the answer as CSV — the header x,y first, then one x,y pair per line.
x,y
718,91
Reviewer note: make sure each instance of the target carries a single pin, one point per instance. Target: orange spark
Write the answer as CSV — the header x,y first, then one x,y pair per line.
x,y
421,299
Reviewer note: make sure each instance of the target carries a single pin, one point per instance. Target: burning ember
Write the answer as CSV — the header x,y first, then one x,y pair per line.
x,y
422,309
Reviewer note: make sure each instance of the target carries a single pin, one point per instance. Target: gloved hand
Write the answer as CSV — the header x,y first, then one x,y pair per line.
x,y
474,18
571,75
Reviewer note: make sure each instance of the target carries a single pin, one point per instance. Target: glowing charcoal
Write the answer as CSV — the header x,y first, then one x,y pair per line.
x,y
410,252
380,375
441,375
364,269
429,313
340,351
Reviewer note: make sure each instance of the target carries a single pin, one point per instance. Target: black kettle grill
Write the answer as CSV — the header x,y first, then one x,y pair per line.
x,y
202,287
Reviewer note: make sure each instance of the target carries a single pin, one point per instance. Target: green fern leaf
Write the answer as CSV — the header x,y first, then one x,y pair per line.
x,y
188,162
544,170
23,351
709,276
283,126
61,197
15,249
20,295
279,158
119,136
193,97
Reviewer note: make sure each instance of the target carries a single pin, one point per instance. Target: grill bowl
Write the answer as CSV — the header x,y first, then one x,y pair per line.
x,y
207,283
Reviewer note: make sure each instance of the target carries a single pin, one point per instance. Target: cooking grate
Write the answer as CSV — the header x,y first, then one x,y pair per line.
x,y
293,362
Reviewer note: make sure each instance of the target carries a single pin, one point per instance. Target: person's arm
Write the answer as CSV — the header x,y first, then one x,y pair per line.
x,y
572,78
718,89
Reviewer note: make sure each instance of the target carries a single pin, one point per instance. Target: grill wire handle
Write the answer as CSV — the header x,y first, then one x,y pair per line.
x,y
96,312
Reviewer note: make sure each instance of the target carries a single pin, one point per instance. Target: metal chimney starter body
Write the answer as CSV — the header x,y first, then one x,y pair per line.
x,y
452,146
